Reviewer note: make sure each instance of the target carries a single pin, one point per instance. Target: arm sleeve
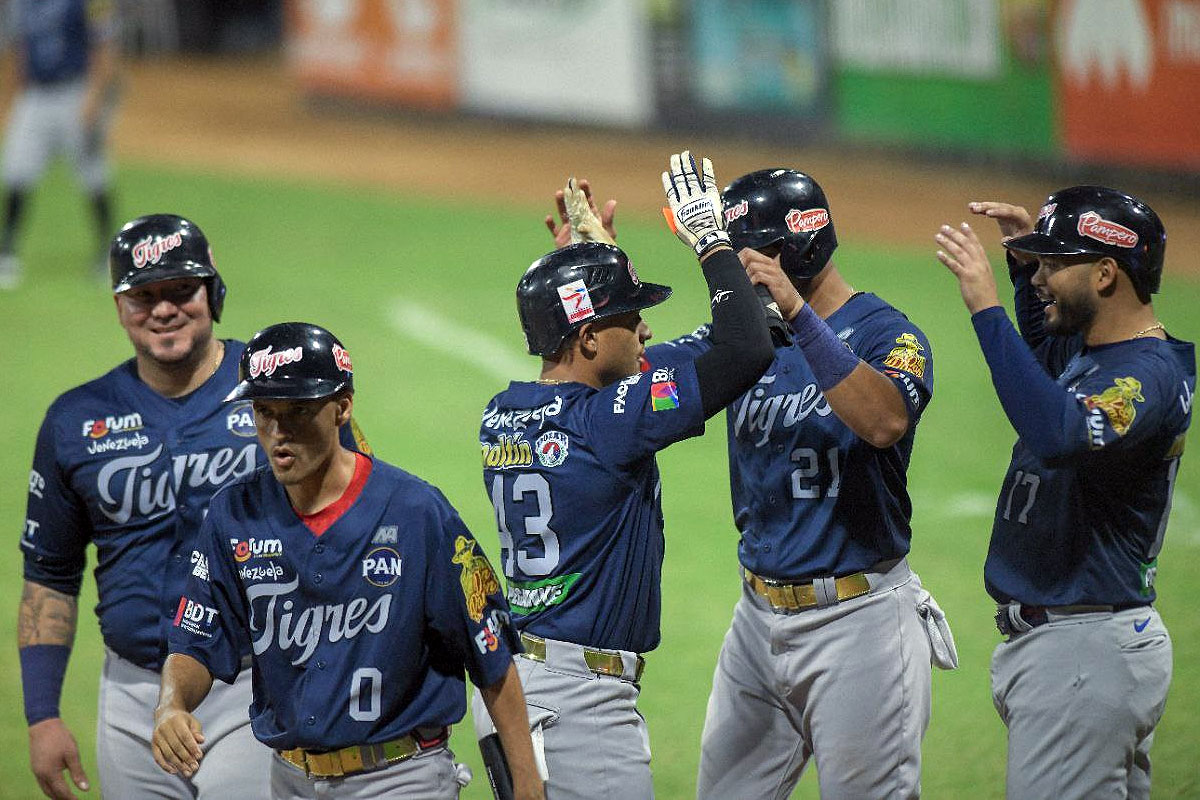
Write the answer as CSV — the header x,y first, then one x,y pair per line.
x,y
1053,352
1055,424
741,343
465,602
636,417
57,528
209,614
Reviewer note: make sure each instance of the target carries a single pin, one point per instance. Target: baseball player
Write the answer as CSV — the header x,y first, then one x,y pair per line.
x,y
828,655
569,465
363,595
67,51
128,462
1100,397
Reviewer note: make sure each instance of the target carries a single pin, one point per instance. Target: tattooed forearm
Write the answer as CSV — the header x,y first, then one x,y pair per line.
x,y
46,616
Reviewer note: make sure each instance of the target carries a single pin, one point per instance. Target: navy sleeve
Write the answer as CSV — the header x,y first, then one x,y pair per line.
x,y
464,601
208,615
57,528
1055,424
642,414
689,346
1053,352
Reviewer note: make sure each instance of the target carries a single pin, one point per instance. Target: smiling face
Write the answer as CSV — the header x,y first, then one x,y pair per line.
x,y
1065,284
168,322
300,437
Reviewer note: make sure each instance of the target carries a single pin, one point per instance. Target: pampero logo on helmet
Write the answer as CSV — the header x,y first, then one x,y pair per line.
x,y
784,208
293,361
1099,221
577,284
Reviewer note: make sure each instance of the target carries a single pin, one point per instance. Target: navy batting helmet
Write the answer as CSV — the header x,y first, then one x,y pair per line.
x,y
293,361
1096,220
781,207
160,247
578,284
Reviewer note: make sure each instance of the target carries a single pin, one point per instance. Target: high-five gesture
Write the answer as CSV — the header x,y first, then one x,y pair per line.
x,y
694,211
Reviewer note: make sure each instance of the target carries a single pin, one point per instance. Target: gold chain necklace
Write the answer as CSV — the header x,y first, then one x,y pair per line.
x,y
1158,326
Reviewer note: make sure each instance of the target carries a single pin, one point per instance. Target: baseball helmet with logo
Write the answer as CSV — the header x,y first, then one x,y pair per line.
x,y
577,284
1098,221
782,207
160,247
293,361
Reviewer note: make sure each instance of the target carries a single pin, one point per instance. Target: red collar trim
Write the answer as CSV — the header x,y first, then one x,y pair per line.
x,y
320,521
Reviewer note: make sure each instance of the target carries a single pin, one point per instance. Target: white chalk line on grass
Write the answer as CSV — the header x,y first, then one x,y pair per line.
x,y
472,347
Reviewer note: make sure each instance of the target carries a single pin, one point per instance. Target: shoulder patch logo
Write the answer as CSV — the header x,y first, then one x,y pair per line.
x,y
477,578
551,448
1117,403
240,421
907,356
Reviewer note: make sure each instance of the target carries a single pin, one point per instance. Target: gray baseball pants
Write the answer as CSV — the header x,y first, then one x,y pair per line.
x,y
429,775
44,123
1081,696
587,732
847,684
235,764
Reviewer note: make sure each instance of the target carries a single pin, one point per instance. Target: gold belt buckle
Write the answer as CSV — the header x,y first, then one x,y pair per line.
x,y
797,596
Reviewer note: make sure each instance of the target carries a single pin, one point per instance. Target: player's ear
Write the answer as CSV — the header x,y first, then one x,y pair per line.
x,y
1104,276
589,342
345,407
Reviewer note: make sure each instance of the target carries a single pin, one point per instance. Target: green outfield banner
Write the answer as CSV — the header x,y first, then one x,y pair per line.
x,y
960,74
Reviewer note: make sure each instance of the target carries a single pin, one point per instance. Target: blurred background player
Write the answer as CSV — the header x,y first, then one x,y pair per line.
x,y
65,71
1101,398
569,465
363,592
128,462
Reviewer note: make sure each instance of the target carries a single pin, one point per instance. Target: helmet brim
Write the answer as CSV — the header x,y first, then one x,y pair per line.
x,y
286,389
646,296
755,240
165,272
1043,244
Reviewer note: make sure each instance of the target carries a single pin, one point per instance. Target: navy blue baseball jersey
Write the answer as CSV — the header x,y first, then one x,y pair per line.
x,y
57,36
810,498
574,483
122,467
360,635
1084,505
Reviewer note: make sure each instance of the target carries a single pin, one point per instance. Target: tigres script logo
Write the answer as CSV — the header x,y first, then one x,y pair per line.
x,y
150,250
264,362
757,413
293,626
137,484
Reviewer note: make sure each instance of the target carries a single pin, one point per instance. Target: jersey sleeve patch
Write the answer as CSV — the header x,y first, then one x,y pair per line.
x,y
476,576
1117,405
906,355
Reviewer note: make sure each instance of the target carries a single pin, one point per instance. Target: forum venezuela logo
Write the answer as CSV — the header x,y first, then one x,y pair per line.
x,y
477,578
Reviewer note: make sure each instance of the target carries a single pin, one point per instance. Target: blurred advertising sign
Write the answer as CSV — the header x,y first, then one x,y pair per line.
x,y
968,75
778,47
571,60
918,37
1129,80
391,50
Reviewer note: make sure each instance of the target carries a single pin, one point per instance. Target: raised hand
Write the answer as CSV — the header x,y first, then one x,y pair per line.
x,y
694,211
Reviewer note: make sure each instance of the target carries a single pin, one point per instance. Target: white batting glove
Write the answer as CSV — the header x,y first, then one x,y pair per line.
x,y
694,212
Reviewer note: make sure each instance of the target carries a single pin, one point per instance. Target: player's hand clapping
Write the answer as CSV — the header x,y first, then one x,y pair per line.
x,y
963,254
581,203
694,210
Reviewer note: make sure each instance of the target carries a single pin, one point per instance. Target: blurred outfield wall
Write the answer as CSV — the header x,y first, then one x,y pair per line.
x,y
1097,82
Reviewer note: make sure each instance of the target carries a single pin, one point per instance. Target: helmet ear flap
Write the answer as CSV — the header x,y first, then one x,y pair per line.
x,y
216,296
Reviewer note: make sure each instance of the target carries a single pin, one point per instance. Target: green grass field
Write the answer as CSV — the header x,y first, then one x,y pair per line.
x,y
417,302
